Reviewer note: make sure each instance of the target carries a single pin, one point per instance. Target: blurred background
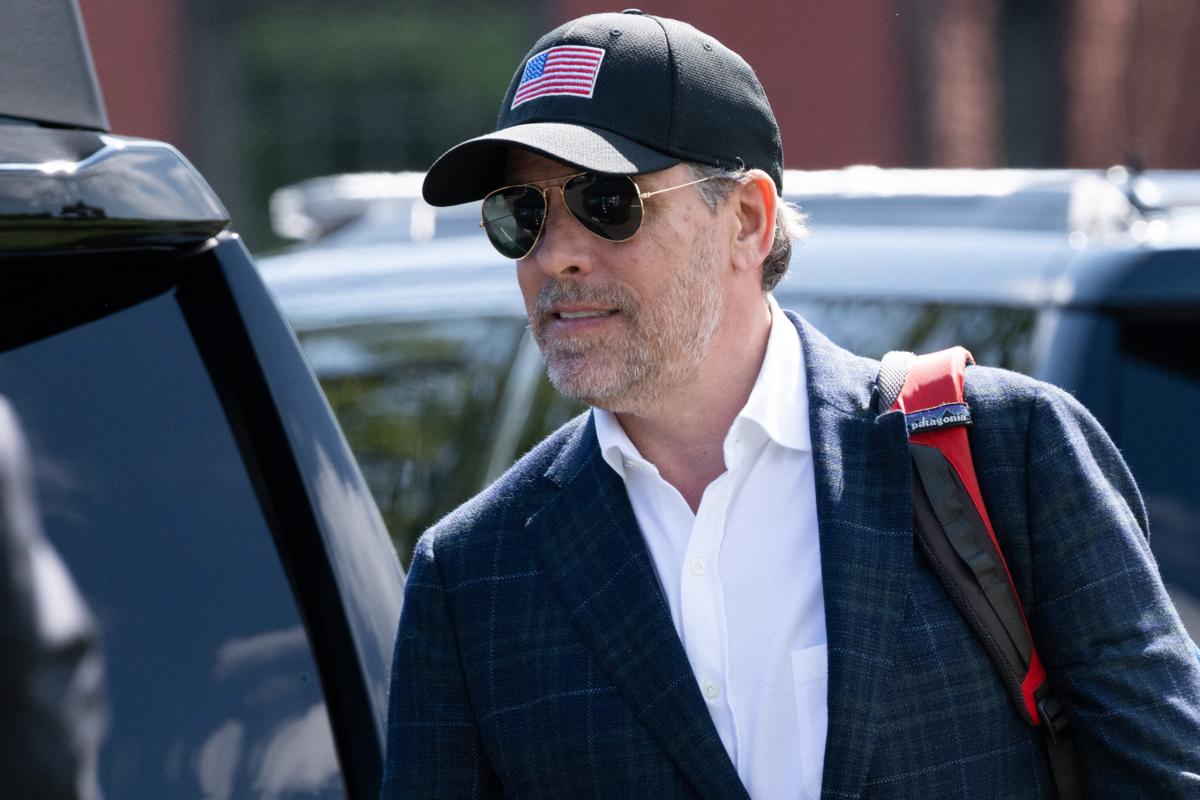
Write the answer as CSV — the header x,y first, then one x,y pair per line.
x,y
264,93
417,332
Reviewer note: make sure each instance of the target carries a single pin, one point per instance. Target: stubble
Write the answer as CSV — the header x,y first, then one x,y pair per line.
x,y
656,345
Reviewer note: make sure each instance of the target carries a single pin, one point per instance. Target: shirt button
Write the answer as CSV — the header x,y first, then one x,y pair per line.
x,y
711,690
698,567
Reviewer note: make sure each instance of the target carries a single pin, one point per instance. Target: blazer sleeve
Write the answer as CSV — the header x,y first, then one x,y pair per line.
x,y
434,749
1112,642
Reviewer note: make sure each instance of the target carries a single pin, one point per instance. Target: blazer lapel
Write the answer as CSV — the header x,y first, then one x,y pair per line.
x,y
593,554
864,512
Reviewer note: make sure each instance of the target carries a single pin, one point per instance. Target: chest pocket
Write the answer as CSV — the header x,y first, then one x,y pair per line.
x,y
810,679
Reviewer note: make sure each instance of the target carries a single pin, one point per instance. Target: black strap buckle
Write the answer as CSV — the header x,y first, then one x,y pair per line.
x,y
1054,717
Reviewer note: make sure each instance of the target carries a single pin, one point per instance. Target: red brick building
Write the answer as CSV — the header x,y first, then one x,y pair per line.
x,y
264,92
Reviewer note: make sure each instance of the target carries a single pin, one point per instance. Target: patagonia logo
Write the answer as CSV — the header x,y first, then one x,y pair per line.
x,y
944,416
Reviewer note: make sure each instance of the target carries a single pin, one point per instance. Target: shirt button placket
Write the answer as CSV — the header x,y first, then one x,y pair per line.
x,y
703,613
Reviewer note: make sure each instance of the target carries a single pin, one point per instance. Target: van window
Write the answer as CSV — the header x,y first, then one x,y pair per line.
x,y
212,684
1159,396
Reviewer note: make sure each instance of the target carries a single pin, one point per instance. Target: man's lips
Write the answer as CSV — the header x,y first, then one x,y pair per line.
x,y
583,313
576,319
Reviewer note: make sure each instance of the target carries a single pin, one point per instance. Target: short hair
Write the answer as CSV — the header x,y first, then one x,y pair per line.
x,y
789,222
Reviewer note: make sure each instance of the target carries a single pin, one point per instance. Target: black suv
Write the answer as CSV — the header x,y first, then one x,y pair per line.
x,y
1089,280
187,466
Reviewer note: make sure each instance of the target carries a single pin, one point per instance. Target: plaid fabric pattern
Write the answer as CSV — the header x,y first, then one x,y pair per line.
x,y
523,655
536,656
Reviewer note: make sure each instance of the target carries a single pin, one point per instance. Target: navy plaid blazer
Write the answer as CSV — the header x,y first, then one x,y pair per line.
x,y
536,655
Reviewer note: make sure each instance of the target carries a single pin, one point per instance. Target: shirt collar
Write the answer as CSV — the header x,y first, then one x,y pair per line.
x,y
777,407
778,403
615,445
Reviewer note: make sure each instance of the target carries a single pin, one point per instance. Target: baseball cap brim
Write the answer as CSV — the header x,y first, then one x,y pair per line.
x,y
470,170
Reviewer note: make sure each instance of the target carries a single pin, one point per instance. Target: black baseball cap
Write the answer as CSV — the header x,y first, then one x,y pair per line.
x,y
623,93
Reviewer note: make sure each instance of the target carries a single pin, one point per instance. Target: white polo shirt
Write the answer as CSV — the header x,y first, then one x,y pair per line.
x,y
742,576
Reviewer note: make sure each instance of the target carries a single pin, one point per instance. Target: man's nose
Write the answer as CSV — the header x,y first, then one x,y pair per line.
x,y
563,249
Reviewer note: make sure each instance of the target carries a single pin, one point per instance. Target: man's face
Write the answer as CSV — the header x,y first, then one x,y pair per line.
x,y
621,324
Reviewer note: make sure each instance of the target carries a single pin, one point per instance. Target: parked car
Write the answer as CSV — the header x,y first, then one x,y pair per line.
x,y
188,468
1089,280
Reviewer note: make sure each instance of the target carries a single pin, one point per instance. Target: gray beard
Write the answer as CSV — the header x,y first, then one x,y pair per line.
x,y
661,347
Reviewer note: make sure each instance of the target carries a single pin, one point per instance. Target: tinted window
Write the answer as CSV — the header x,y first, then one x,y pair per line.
x,y
1160,399
212,684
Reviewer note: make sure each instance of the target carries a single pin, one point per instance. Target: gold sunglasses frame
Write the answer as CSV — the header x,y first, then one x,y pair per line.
x,y
544,192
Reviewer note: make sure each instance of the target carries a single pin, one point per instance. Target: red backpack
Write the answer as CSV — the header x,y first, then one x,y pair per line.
x,y
955,534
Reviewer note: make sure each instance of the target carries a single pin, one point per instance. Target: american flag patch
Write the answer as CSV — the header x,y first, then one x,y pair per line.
x,y
566,69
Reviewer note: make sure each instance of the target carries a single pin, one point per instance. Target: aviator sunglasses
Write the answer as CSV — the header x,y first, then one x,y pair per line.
x,y
610,206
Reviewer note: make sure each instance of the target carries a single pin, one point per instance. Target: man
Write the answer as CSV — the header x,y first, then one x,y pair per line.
x,y
706,586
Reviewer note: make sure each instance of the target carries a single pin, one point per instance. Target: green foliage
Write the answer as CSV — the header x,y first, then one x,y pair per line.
x,y
356,87
467,49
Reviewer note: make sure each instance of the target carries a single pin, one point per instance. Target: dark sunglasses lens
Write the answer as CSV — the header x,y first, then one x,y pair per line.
x,y
513,219
607,205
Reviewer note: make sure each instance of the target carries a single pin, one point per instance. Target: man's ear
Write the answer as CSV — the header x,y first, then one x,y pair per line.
x,y
753,202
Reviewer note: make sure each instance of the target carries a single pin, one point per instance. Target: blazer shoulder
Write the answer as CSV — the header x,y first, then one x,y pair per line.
x,y
993,385
1032,434
1032,407
993,392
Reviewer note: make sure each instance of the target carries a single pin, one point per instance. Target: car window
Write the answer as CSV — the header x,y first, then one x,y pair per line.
x,y
1159,397
421,404
212,684
998,336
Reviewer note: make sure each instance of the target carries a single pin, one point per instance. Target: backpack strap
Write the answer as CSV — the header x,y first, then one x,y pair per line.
x,y
956,535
